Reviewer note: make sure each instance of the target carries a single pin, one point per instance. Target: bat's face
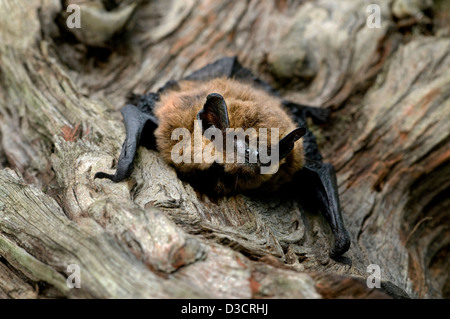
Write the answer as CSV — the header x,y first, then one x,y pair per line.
x,y
233,143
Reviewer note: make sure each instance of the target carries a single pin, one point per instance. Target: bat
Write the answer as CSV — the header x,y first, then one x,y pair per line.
x,y
225,131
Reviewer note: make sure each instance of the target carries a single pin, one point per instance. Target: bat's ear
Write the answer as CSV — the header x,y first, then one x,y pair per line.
x,y
214,113
287,143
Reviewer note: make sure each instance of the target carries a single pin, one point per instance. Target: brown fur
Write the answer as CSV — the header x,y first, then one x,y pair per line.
x,y
247,107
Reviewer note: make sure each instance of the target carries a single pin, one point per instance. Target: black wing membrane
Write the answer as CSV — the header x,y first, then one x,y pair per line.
x,y
317,181
231,68
139,127
318,185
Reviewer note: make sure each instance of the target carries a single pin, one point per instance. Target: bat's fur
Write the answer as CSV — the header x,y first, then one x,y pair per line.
x,y
247,108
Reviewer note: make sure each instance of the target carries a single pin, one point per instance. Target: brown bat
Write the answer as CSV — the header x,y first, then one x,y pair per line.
x,y
227,132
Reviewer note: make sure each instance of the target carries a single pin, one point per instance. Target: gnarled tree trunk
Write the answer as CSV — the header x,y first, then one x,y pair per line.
x,y
153,236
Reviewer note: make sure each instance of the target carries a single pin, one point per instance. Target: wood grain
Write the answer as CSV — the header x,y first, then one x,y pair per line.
x,y
154,235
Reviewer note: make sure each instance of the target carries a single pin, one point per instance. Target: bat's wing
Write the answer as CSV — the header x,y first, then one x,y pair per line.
x,y
231,68
319,189
138,122
224,67
301,112
317,181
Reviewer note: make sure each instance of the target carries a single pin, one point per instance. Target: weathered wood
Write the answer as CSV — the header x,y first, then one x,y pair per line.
x,y
154,236
397,161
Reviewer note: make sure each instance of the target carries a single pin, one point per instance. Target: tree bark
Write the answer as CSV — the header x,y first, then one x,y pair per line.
x,y
154,236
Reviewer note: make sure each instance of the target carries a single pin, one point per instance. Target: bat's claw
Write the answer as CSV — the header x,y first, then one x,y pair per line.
x,y
341,244
102,175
